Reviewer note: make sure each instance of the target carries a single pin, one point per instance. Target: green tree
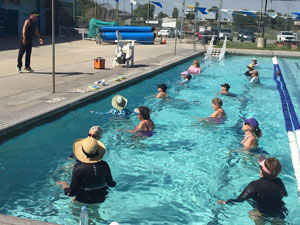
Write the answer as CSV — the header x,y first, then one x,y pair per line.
x,y
162,15
213,9
142,11
175,13
243,21
84,6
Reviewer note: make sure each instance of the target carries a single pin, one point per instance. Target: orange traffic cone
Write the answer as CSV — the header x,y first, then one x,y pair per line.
x,y
164,40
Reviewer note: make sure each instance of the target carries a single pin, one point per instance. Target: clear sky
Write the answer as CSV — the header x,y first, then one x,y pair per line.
x,y
168,5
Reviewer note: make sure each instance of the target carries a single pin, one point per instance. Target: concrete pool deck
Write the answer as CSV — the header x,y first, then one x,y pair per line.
x,y
11,220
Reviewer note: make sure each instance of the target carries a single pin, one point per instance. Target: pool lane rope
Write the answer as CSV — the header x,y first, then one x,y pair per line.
x,y
291,121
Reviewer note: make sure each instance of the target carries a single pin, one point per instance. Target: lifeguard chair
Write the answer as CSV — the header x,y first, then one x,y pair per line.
x,y
124,51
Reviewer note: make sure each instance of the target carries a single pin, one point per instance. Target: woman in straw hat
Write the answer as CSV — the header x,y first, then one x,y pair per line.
x,y
92,175
118,103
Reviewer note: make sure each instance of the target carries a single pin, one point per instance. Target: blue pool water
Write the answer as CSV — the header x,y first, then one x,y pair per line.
x,y
174,177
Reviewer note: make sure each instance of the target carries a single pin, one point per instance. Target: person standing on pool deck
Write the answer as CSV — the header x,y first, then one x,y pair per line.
x,y
92,176
252,132
28,31
217,105
267,193
162,91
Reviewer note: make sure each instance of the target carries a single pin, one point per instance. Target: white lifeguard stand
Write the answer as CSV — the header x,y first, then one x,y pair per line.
x,y
124,46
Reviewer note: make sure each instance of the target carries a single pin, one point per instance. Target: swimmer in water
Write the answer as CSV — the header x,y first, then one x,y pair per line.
x,y
252,132
119,109
266,194
225,90
146,125
186,77
255,63
195,68
255,79
162,91
217,105
250,70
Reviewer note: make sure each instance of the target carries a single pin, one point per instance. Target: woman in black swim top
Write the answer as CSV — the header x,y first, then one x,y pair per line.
x,y
267,192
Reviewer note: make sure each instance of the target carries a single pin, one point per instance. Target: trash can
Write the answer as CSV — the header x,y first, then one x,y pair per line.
x,y
99,63
261,42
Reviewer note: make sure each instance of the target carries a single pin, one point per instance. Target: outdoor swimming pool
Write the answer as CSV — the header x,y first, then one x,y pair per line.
x,y
174,177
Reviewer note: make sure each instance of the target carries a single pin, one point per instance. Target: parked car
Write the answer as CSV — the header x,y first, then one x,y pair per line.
x,y
216,33
240,34
199,35
208,34
164,32
226,32
286,36
248,36
180,33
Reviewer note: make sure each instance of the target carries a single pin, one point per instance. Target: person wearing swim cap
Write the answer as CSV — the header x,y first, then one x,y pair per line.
x,y
267,193
186,77
252,132
162,91
255,63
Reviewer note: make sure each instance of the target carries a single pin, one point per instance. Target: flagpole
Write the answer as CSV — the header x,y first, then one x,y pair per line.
x,y
182,20
219,16
263,28
260,16
148,16
117,11
53,46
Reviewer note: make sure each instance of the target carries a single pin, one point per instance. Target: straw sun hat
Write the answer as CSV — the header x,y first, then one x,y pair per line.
x,y
88,150
119,102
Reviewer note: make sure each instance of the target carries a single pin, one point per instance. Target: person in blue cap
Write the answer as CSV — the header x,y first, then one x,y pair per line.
x,y
252,132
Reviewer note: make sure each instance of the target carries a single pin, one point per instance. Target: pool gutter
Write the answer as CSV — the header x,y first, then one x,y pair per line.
x,y
12,220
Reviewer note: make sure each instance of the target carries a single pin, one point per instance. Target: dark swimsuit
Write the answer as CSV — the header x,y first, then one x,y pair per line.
x,y
146,133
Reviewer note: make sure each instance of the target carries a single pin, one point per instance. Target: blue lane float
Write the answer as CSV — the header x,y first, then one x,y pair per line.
x,y
127,29
143,38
